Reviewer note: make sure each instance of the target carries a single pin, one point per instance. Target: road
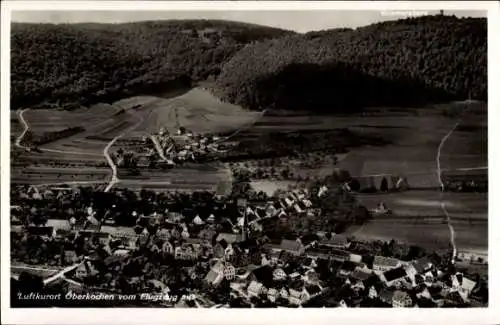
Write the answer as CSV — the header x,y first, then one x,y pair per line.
x,y
158,147
20,115
443,205
61,273
21,268
112,165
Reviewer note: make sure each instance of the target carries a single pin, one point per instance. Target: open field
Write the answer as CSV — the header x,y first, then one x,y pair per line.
x,y
269,186
190,177
49,175
46,120
418,219
95,138
129,118
41,271
58,158
414,137
428,203
467,146
431,236
197,110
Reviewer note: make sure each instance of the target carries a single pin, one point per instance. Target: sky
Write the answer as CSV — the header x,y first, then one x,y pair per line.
x,y
300,21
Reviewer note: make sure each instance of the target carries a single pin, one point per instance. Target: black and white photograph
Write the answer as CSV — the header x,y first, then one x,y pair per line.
x,y
246,158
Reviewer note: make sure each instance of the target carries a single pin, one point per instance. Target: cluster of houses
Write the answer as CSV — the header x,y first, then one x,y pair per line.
x,y
177,148
285,272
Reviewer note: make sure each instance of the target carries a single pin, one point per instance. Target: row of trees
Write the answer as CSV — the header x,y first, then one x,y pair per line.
x,y
403,63
84,63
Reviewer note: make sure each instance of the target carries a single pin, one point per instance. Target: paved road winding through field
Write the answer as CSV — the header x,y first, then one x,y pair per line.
x,y
443,206
20,115
114,169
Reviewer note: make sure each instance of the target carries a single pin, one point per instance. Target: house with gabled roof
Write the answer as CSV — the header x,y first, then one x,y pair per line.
x,y
255,288
279,274
310,291
394,277
307,203
70,256
272,294
322,191
299,208
198,221
85,269
422,265
210,219
216,274
372,292
57,224
360,275
295,296
289,201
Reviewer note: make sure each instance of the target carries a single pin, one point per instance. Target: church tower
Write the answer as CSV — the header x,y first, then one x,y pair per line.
x,y
242,204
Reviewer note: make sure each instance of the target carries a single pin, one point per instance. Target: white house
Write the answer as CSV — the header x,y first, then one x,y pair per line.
x,y
295,297
255,288
279,274
272,294
322,191
372,292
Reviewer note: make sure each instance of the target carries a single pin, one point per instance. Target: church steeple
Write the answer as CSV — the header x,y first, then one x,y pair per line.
x,y
242,204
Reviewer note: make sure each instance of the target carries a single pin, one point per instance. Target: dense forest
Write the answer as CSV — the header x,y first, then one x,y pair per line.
x,y
72,64
402,63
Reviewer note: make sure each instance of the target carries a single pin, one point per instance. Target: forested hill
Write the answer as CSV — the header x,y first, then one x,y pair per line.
x,y
84,63
405,62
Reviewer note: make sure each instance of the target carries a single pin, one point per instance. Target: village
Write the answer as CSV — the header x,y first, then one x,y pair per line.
x,y
217,252
162,149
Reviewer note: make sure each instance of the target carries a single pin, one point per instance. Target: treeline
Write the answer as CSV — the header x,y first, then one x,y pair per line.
x,y
79,64
400,63
281,144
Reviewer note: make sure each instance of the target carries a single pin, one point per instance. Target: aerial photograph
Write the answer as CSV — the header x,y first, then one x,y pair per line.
x,y
248,159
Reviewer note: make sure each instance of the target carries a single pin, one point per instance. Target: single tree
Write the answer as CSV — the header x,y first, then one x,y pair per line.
x,y
384,186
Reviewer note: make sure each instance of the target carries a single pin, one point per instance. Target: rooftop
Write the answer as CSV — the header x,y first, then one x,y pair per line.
x,y
395,274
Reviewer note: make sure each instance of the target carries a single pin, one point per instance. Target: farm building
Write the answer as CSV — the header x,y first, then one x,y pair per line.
x,y
466,180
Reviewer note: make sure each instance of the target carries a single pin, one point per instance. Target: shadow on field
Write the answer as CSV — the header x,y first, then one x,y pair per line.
x,y
338,88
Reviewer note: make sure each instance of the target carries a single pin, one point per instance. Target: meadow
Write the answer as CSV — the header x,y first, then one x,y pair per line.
x,y
414,136
80,157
